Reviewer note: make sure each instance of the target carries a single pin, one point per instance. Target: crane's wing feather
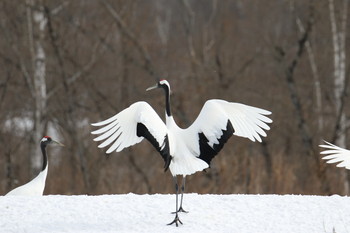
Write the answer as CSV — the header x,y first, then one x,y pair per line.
x,y
130,126
219,120
336,154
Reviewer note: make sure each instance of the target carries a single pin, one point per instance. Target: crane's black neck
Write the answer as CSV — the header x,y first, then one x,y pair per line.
x,y
167,99
43,150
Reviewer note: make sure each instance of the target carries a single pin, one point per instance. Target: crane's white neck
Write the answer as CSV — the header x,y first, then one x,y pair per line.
x,y
169,120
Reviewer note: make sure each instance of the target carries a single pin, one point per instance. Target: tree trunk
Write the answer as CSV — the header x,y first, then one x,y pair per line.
x,y
37,22
339,59
316,79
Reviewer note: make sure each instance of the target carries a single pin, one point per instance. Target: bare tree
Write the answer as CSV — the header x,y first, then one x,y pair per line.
x,y
315,72
147,61
339,74
338,31
289,74
37,21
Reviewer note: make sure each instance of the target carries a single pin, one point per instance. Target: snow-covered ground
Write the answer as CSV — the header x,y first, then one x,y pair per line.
x,y
151,213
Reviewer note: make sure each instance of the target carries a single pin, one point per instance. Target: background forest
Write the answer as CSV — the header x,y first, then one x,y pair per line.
x,y
66,64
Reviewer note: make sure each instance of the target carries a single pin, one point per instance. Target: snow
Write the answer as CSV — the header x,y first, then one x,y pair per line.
x,y
151,213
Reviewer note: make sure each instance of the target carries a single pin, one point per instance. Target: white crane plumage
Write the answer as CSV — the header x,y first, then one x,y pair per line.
x,y
185,151
336,154
36,186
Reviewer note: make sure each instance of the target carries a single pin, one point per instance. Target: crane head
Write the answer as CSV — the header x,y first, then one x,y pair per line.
x,y
160,84
46,140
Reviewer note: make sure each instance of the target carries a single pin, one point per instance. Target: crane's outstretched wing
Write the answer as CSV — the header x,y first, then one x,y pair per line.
x,y
219,120
130,126
336,154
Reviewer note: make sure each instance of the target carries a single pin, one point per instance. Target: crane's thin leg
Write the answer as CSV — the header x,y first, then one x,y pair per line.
x,y
182,195
176,219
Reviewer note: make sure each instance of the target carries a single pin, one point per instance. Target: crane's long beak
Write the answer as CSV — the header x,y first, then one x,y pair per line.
x,y
60,144
153,87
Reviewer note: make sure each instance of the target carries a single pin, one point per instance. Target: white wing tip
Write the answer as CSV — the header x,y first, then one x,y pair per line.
x,y
323,145
98,123
94,132
109,151
266,112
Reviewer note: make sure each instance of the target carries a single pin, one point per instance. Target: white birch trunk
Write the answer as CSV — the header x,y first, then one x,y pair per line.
x,y
163,20
339,59
37,22
316,78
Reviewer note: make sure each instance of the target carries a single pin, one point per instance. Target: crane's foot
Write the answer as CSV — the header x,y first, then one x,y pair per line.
x,y
176,221
180,210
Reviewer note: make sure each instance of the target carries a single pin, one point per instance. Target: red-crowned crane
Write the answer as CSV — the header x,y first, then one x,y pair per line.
x,y
185,151
36,186
336,154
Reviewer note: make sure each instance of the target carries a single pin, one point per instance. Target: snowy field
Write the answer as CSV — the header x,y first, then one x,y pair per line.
x,y
151,213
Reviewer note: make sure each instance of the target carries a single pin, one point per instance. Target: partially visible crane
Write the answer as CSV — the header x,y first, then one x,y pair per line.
x,y
36,186
336,154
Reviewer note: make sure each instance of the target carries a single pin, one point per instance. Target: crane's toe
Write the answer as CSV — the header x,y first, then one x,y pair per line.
x,y
180,210
176,221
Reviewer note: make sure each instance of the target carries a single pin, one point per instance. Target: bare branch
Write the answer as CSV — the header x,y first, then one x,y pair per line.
x,y
20,64
60,7
338,121
68,81
124,29
79,73
29,6
189,31
303,127
314,69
